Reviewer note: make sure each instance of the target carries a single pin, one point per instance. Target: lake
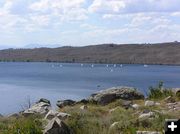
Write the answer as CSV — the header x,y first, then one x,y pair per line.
x,y
20,82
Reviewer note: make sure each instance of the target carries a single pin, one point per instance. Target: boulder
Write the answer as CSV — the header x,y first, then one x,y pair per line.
x,y
174,106
146,111
40,108
63,103
135,106
44,100
147,115
109,95
178,93
52,114
56,126
127,104
147,132
63,116
84,107
149,103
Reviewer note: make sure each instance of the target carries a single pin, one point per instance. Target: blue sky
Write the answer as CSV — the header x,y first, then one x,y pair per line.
x,y
53,23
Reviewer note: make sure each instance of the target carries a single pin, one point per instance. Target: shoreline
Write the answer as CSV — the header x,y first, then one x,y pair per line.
x,y
149,64
105,111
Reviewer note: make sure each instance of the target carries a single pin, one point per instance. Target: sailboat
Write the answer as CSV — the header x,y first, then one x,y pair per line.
x,y
145,65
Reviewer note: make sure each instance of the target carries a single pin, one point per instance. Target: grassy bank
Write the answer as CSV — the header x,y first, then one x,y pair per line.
x,y
117,117
96,120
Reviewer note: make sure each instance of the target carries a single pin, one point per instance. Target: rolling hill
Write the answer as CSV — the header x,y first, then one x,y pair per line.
x,y
159,53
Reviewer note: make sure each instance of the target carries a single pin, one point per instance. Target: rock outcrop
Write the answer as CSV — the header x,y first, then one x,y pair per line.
x,y
173,106
146,115
109,95
40,108
63,103
44,100
84,107
56,126
52,114
151,103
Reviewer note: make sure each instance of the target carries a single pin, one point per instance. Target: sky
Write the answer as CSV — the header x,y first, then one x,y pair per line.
x,y
53,23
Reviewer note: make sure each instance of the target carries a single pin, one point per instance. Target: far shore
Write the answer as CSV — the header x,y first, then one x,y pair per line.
x,y
61,62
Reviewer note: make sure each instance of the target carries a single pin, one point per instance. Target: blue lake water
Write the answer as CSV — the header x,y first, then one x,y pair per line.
x,y
56,81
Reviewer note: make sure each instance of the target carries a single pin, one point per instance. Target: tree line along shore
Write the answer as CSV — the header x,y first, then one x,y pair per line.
x,y
158,53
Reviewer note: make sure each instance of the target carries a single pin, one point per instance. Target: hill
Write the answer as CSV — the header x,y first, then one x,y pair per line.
x,y
159,53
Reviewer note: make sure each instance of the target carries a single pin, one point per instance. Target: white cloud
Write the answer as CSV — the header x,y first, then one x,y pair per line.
x,y
104,6
64,9
134,6
95,21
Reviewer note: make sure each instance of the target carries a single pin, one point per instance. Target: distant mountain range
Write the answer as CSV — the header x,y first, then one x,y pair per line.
x,y
159,53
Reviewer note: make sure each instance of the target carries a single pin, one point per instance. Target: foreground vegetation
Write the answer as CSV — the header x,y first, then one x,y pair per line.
x,y
20,125
95,120
115,118
98,119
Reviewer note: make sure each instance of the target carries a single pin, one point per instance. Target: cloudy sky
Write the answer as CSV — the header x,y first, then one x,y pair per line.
x,y
86,22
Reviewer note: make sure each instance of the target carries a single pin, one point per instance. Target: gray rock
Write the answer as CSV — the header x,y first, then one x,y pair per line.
x,y
40,108
56,126
44,100
63,116
146,111
52,114
109,95
147,115
127,104
176,90
135,106
147,132
149,103
174,106
63,103
84,107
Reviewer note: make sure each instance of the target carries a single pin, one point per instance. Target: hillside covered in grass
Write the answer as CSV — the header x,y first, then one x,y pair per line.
x,y
160,53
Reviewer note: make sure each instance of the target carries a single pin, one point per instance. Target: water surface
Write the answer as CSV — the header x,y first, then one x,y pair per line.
x,y
54,81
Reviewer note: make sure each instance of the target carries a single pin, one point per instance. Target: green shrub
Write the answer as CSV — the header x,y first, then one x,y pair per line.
x,y
22,126
158,92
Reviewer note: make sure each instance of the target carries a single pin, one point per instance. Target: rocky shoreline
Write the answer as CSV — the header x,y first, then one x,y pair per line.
x,y
116,98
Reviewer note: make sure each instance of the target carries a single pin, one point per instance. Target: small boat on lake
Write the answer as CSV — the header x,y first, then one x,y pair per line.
x,y
145,65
